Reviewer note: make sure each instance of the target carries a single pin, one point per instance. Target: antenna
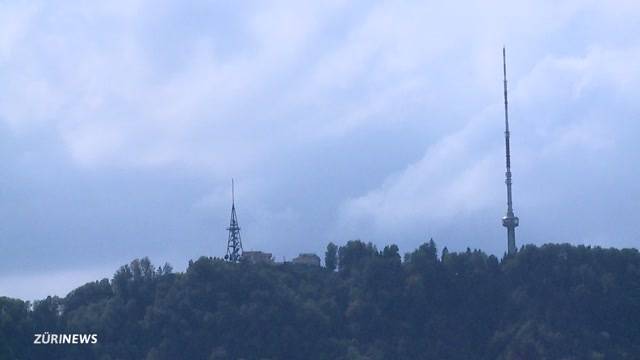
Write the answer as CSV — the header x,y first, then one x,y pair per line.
x,y
507,135
510,221
234,242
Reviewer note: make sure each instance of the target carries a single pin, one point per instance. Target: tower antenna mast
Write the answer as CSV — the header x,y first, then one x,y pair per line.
x,y
234,243
510,221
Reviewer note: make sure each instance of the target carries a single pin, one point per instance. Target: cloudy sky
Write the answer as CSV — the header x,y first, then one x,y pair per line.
x,y
122,123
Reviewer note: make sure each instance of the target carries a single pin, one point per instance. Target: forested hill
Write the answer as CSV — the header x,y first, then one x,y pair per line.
x,y
549,302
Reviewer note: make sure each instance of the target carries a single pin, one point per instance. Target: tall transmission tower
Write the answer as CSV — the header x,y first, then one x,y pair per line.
x,y
234,244
510,221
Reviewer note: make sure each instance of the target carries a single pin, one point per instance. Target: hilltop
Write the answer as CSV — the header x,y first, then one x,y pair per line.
x,y
548,302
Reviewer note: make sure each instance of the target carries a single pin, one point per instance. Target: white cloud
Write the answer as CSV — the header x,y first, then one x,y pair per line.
x,y
454,177
89,69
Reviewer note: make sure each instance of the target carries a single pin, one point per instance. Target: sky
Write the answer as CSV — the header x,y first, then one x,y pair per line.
x,y
122,124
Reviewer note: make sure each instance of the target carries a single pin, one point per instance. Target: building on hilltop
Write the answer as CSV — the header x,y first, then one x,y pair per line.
x,y
307,259
257,257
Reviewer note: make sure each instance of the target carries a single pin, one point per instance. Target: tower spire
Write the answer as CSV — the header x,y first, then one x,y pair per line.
x,y
234,243
510,221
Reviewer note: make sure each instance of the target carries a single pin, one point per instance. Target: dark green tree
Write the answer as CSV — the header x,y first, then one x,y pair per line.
x,y
545,302
331,257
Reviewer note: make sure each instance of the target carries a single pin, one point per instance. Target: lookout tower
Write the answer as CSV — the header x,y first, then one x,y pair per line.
x,y
234,244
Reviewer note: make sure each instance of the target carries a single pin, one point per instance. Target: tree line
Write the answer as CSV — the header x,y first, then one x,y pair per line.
x,y
547,302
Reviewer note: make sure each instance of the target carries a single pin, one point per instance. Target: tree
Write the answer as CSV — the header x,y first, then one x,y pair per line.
x,y
167,269
355,255
331,257
445,253
391,252
553,302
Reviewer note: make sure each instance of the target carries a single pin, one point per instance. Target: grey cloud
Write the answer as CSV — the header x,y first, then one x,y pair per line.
x,y
122,124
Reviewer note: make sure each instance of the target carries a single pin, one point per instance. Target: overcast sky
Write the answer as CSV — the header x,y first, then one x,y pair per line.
x,y
122,124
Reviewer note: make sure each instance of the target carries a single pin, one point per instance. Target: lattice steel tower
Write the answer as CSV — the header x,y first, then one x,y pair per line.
x,y
510,221
234,244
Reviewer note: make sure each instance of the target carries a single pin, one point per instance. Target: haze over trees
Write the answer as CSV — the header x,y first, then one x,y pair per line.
x,y
548,302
